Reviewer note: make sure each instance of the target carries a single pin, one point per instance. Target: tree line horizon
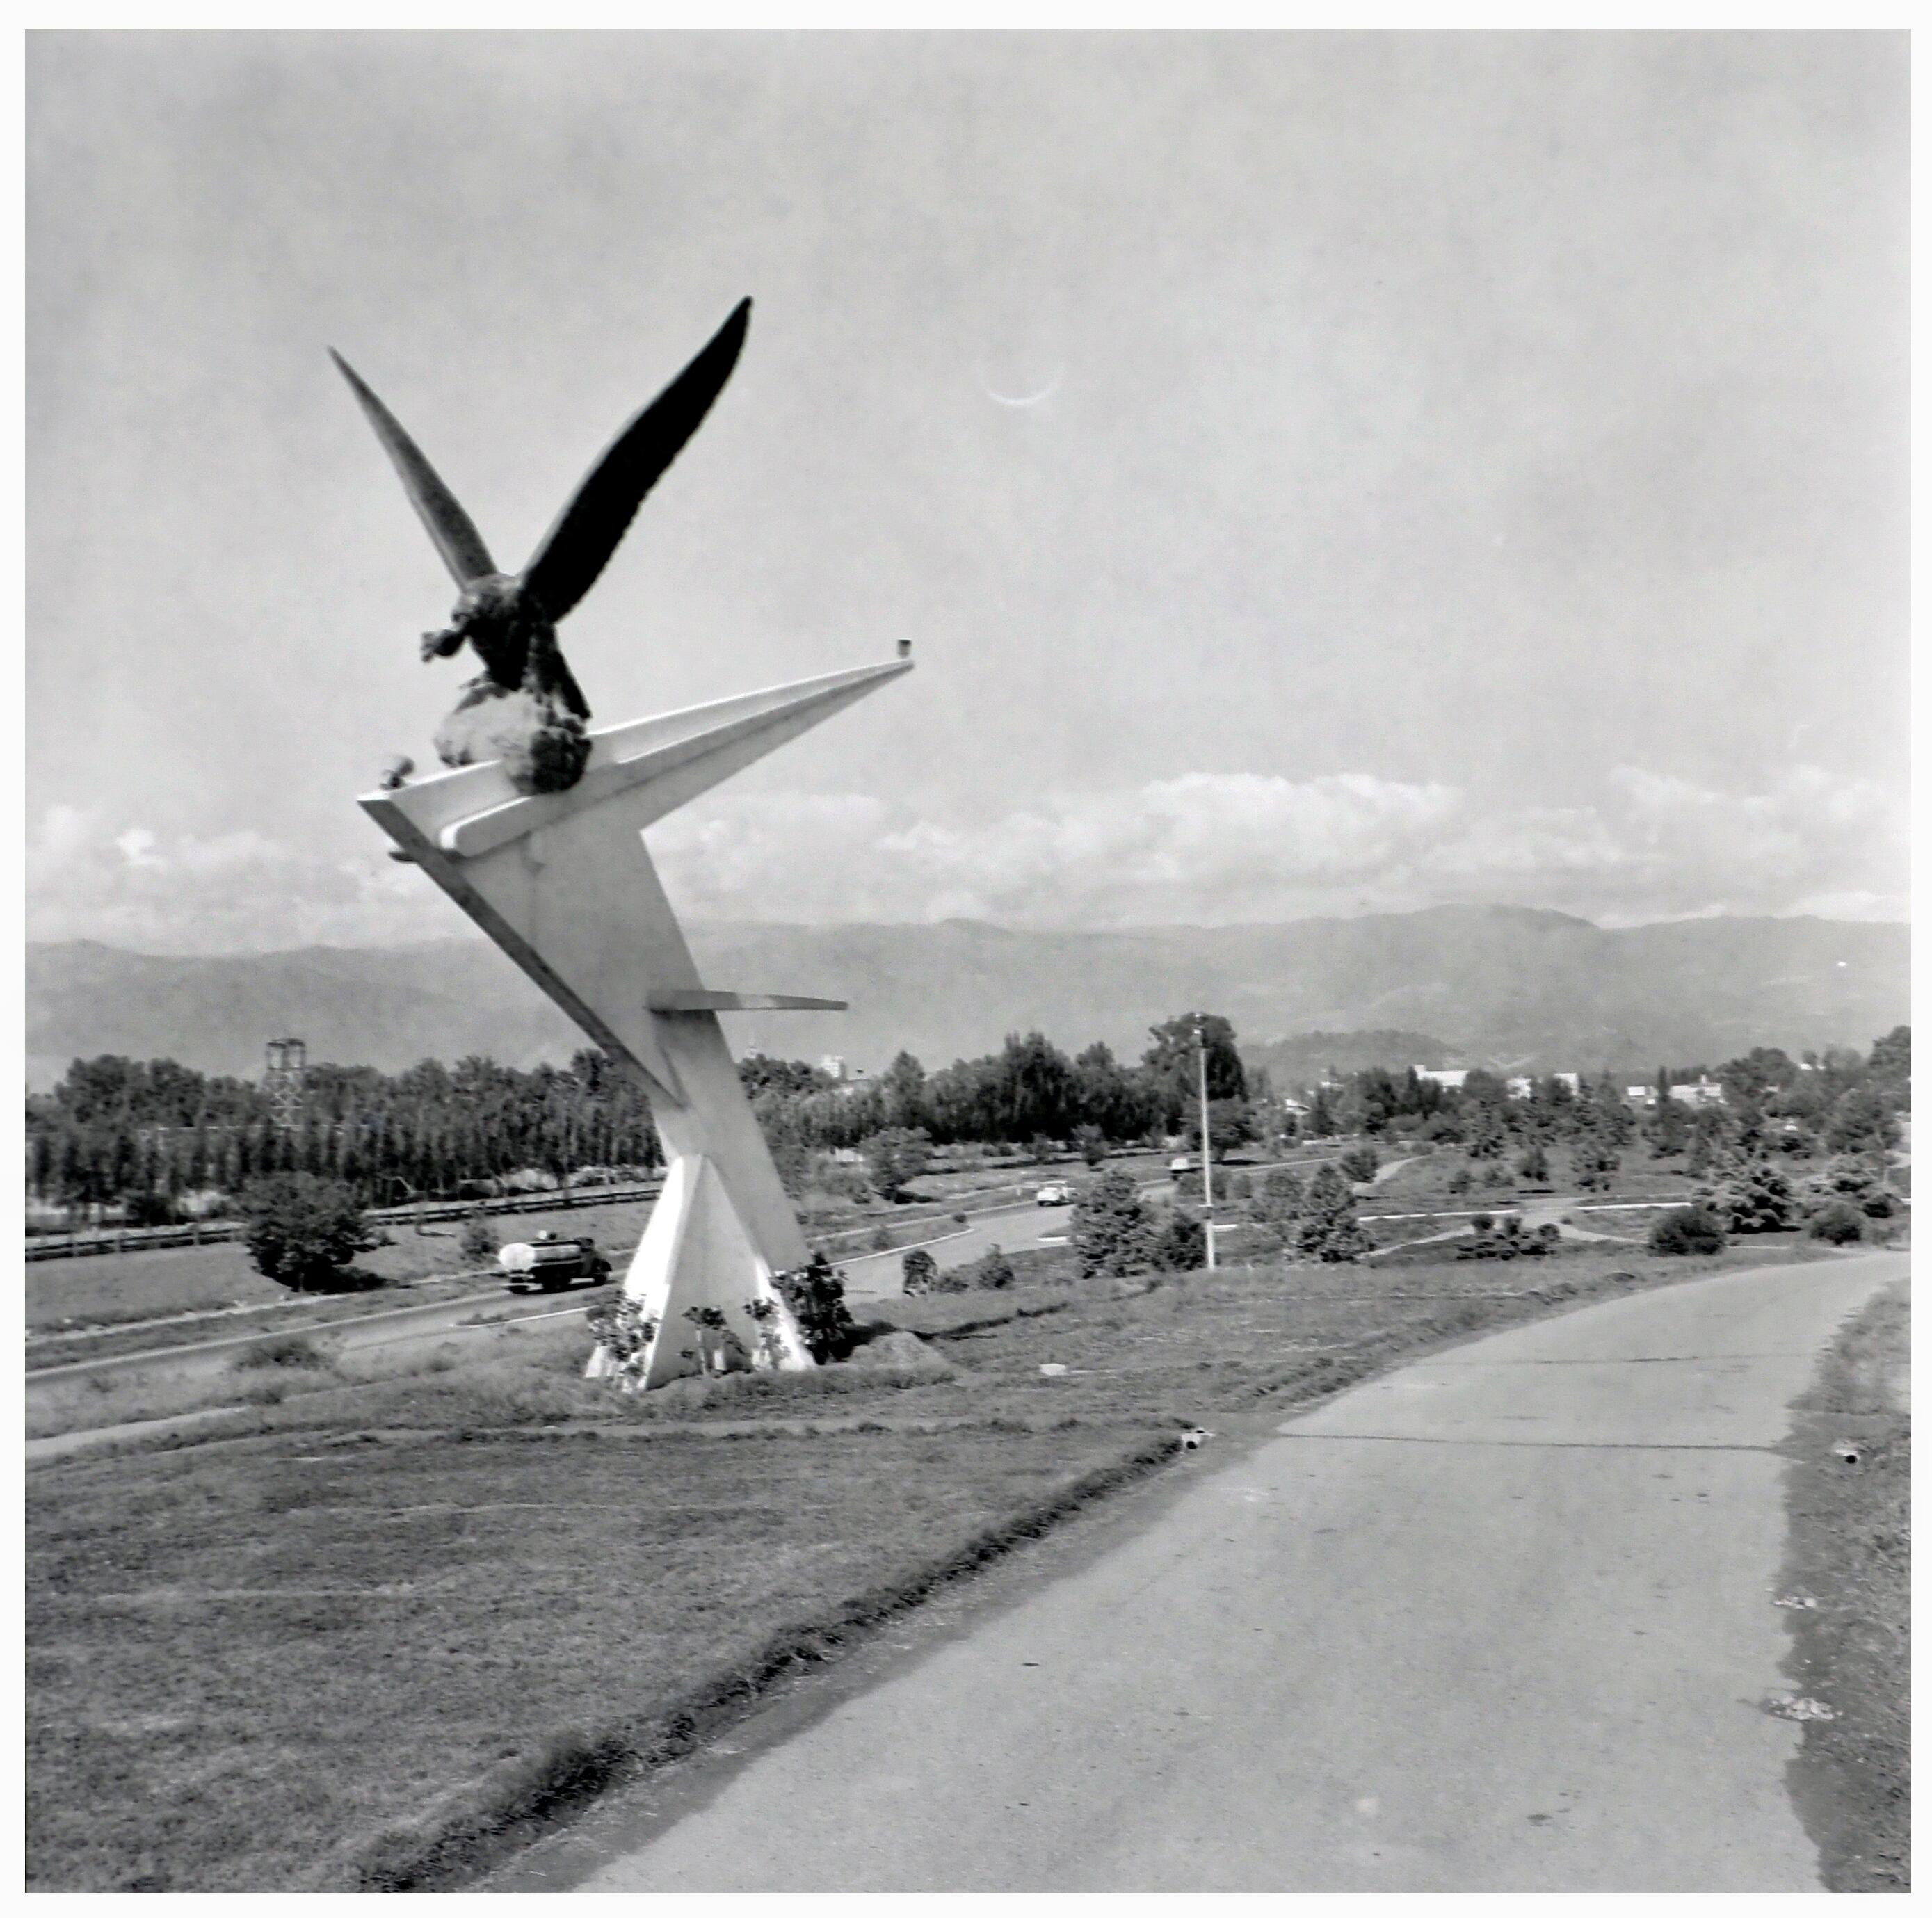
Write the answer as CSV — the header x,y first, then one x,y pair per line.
x,y
147,1135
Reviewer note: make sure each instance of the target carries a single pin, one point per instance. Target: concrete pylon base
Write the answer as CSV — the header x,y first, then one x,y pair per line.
x,y
695,1252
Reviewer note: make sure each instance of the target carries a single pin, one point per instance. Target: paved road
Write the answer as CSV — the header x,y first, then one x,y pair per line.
x,y
1501,1621
881,1274
1017,1228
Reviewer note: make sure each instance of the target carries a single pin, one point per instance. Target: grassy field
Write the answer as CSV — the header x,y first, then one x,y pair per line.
x,y
1850,1553
110,1289
357,1636
1423,1182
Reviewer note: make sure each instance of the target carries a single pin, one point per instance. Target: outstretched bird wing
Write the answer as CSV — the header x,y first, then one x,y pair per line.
x,y
579,546
456,537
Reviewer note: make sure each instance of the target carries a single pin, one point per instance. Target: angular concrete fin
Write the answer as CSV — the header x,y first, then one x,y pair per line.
x,y
664,761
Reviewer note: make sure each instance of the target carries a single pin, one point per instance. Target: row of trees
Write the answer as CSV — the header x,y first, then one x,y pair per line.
x,y
1116,1234
145,1136
1028,1090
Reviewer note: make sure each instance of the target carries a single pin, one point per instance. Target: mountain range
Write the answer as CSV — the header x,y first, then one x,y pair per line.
x,y
1475,984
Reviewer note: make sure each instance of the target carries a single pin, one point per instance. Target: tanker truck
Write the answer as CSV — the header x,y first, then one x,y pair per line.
x,y
550,1264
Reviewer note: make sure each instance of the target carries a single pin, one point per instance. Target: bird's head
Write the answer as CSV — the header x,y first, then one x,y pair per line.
x,y
485,606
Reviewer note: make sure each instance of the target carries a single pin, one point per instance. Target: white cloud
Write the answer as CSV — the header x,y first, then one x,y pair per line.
x,y
1210,848
1223,848
236,891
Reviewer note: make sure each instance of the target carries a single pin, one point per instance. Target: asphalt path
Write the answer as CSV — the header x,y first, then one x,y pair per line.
x,y
1500,1621
1013,1228
1020,1228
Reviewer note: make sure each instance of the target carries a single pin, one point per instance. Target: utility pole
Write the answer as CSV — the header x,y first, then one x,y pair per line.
x,y
1207,1142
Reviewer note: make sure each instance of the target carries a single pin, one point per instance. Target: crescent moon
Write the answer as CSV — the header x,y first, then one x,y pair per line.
x,y
1046,392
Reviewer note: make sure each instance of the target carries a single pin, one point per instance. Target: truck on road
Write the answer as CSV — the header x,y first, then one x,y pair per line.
x,y
550,1264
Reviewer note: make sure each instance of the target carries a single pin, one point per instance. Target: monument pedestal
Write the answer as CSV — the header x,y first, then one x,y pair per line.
x,y
697,1253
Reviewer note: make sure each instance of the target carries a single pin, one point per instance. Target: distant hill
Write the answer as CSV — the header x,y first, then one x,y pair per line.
x,y
1487,982
1307,1056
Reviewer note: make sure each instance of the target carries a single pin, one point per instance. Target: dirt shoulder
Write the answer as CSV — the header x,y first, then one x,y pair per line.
x,y
1847,1589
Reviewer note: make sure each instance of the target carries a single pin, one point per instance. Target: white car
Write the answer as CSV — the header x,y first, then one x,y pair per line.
x,y
1055,1192
1182,1164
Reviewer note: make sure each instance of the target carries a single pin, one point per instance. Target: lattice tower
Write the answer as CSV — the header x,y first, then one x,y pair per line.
x,y
282,1081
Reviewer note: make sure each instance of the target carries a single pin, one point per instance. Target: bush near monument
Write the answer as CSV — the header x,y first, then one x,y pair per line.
x,y
303,1231
816,1294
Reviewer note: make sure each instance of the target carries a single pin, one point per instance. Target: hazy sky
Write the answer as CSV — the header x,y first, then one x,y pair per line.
x,y
1469,467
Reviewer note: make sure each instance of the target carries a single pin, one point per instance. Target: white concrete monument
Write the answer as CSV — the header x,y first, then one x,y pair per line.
x,y
536,831
564,883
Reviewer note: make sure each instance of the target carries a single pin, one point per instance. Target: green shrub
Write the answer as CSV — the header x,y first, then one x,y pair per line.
x,y
1278,1204
920,1269
992,1272
816,1294
1686,1230
292,1353
1757,1198
838,1180
1329,1230
1594,1162
477,1239
1836,1223
1110,1233
1179,1242
894,1158
1361,1163
302,1232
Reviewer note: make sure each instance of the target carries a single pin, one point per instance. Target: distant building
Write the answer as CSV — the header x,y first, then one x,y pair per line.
x,y
1520,1088
1573,1080
1450,1082
1640,1095
848,1078
1705,1092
